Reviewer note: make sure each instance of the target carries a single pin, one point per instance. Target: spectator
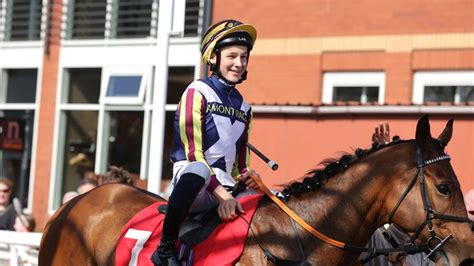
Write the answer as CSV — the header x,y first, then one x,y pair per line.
x,y
379,238
118,175
25,223
86,184
7,211
69,195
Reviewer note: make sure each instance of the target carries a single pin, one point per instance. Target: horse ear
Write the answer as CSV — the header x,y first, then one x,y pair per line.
x,y
423,135
445,136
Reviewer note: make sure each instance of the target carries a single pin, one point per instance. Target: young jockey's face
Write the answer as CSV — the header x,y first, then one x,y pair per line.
x,y
233,62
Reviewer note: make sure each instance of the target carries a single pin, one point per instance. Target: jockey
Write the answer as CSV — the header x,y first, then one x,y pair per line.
x,y
212,125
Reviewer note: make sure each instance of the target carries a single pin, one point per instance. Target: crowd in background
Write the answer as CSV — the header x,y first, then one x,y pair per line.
x,y
114,175
12,217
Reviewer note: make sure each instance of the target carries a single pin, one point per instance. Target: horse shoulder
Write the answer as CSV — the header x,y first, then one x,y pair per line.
x,y
271,229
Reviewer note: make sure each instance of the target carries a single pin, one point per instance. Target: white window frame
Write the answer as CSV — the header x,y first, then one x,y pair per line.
x,y
23,107
439,78
113,71
103,110
352,79
167,51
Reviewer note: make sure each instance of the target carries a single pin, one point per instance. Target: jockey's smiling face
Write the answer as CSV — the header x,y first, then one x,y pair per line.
x,y
233,62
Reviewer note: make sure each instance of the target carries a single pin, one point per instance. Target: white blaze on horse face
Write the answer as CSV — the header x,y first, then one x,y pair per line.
x,y
141,236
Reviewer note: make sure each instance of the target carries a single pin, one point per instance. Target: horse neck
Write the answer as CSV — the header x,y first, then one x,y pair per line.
x,y
350,206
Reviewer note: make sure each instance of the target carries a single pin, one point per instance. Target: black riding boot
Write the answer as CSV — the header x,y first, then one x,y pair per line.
x,y
179,203
166,254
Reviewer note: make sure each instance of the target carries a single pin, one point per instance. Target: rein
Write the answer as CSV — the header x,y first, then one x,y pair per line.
x,y
433,244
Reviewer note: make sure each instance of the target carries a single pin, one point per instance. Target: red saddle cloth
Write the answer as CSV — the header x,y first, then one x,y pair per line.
x,y
141,236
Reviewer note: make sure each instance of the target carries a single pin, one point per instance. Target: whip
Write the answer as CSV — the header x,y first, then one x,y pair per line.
x,y
272,164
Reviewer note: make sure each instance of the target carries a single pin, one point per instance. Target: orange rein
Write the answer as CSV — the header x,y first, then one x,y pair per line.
x,y
295,216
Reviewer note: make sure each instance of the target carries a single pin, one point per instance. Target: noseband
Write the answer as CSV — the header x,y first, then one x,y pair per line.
x,y
434,243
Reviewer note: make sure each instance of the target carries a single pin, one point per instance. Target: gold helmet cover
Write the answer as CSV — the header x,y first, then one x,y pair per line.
x,y
225,33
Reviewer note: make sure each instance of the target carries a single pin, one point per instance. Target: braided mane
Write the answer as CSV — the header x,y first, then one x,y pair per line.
x,y
316,178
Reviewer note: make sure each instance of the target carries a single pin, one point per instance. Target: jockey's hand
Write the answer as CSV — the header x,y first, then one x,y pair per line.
x,y
381,133
229,208
249,182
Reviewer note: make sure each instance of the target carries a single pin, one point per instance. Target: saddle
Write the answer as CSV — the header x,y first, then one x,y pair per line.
x,y
194,230
207,240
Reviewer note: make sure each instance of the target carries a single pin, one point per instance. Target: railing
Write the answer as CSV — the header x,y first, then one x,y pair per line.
x,y
18,248
28,20
20,20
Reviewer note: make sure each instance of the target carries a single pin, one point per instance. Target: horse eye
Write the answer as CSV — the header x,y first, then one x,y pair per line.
x,y
443,189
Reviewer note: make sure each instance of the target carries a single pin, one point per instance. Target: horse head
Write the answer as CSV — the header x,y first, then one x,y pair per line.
x,y
427,201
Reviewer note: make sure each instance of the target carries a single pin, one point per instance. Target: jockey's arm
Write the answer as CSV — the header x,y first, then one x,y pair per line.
x,y
228,205
188,124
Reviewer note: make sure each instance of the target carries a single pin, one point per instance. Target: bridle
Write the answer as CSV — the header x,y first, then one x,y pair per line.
x,y
433,244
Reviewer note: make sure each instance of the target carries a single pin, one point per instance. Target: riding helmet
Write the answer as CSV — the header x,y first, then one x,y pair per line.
x,y
226,33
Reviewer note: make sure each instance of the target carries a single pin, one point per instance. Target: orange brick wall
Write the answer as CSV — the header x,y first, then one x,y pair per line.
x,y
398,78
300,142
353,61
283,79
288,18
271,76
46,122
443,60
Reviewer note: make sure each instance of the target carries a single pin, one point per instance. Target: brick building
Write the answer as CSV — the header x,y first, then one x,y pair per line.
x,y
322,74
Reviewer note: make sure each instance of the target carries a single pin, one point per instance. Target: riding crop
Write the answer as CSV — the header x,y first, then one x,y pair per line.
x,y
272,164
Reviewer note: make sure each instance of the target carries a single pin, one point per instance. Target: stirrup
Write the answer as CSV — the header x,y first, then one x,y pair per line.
x,y
167,261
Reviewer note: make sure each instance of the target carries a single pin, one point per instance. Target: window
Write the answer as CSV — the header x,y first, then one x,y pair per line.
x,y
97,127
20,86
17,115
179,79
192,18
125,85
84,85
124,130
87,19
22,20
362,87
78,130
119,19
16,133
80,134
444,87
356,94
134,18
2,21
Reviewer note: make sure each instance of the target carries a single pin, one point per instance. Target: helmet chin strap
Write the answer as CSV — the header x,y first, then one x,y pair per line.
x,y
215,68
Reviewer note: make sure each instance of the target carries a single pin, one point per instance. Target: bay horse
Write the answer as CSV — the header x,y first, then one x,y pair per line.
x,y
410,183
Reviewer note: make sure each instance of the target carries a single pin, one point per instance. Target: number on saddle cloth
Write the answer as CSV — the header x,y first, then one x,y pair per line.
x,y
194,230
